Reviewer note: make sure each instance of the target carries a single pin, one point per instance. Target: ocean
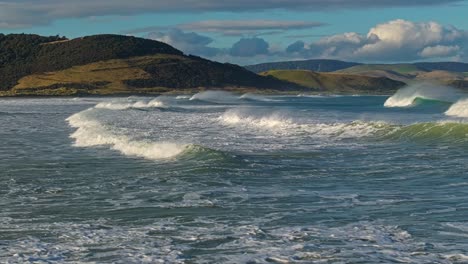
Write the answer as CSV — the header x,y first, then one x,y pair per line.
x,y
221,178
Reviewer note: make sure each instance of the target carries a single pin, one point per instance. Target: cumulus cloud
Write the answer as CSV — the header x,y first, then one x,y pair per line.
x,y
188,42
196,44
439,51
397,40
24,13
247,47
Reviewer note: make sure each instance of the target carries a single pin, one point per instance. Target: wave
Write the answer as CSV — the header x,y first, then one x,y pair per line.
x,y
459,109
180,97
155,103
431,132
215,97
91,132
281,123
442,131
246,118
255,97
421,93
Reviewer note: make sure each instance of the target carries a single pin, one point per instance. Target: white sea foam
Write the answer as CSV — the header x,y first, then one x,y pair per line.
x,y
180,97
459,109
242,117
91,132
155,103
406,96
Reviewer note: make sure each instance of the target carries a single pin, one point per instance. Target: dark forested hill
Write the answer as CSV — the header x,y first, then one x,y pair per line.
x,y
311,65
32,62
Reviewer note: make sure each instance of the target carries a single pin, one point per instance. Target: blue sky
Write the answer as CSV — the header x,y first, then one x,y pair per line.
x,y
242,32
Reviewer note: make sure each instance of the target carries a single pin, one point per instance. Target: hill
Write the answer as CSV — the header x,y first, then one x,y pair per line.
x,y
106,64
337,83
311,65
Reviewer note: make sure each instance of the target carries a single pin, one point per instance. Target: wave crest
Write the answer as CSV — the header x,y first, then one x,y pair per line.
x,y
459,109
155,103
411,95
214,97
92,133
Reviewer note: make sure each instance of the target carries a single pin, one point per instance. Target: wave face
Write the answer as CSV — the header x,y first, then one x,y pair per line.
x,y
418,93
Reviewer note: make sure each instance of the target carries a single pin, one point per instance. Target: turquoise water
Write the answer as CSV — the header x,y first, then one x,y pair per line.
x,y
216,178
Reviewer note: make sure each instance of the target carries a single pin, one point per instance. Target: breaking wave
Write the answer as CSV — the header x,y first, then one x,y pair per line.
x,y
156,103
281,123
91,132
422,92
255,97
459,109
215,97
376,130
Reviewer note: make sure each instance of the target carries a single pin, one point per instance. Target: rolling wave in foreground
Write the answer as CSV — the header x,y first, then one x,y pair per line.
x,y
224,178
419,93
92,133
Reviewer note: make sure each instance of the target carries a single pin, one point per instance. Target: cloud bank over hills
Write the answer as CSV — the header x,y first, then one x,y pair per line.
x,y
392,41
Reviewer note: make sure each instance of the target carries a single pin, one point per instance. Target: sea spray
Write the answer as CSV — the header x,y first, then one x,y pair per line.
x,y
408,96
459,109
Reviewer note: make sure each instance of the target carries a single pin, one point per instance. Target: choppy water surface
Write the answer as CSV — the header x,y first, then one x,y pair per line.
x,y
218,178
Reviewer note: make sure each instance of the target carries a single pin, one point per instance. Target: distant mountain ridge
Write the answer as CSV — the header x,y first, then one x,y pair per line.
x,y
322,65
447,73
311,65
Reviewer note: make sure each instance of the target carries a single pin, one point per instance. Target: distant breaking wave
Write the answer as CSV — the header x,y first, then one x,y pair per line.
x,y
281,123
156,103
214,97
422,92
376,130
91,132
255,97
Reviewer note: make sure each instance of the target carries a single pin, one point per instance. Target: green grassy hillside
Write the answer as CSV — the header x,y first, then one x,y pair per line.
x,y
337,83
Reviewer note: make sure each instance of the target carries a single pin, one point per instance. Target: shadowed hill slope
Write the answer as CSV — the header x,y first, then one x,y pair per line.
x,y
29,64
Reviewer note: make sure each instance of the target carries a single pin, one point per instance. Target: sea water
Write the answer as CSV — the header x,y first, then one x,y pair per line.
x,y
223,178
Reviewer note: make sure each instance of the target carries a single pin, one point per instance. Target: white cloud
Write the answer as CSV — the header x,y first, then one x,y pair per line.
x,y
439,51
397,40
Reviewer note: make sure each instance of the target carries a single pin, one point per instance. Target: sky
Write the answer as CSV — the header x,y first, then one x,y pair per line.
x,y
249,32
